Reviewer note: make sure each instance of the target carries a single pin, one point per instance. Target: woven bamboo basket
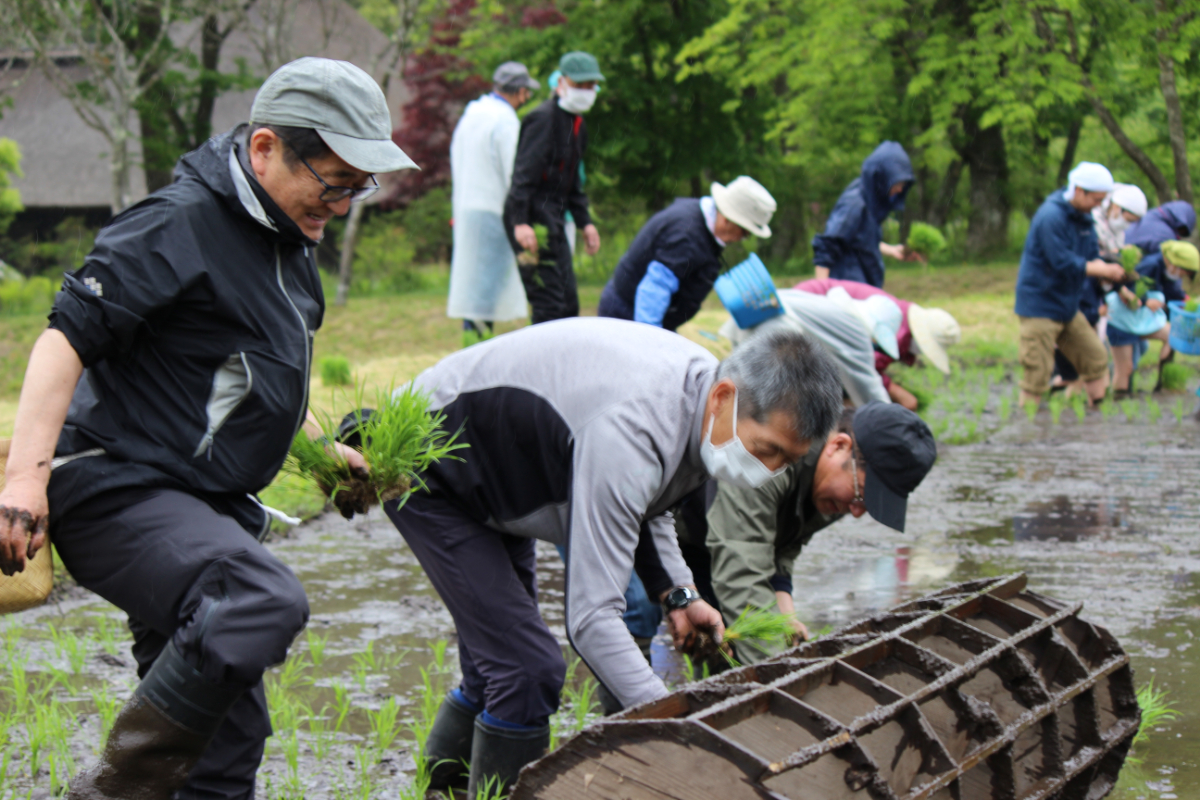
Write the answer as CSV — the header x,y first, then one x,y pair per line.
x,y
32,586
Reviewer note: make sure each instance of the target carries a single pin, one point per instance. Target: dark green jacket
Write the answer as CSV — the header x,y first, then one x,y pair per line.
x,y
754,536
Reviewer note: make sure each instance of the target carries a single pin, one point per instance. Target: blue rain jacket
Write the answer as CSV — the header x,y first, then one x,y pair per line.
x,y
1174,220
849,247
1053,271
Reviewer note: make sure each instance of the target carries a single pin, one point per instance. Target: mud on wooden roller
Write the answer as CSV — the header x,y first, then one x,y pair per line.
x,y
982,691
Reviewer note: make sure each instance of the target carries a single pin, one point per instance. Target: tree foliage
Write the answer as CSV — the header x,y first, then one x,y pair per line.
x,y
10,167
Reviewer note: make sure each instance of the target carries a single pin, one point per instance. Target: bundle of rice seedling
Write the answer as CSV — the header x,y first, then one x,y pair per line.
x,y
925,239
760,628
1175,377
399,438
1131,256
1192,305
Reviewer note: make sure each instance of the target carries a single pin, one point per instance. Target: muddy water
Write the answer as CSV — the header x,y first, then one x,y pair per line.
x,y
1104,512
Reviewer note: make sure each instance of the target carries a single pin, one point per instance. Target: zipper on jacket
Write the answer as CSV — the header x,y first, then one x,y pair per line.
x,y
206,444
307,341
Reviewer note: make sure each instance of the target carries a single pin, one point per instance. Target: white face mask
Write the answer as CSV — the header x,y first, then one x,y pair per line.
x,y
577,101
732,462
1118,223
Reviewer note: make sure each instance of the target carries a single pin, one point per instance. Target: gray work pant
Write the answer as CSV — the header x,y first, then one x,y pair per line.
x,y
184,573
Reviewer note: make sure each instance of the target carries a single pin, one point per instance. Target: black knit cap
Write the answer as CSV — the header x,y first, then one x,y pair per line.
x,y
899,450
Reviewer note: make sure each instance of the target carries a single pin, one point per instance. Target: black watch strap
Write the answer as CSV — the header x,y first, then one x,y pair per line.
x,y
680,597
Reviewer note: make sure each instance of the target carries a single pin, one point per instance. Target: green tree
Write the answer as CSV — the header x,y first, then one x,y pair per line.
x,y
10,197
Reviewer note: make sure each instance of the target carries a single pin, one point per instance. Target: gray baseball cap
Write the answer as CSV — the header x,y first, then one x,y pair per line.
x,y
343,104
513,75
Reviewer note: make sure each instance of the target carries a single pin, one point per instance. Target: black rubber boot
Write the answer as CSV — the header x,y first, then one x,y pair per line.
x,y
497,755
159,735
448,748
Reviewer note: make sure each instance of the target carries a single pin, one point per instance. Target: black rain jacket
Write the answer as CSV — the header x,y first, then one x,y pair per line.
x,y
545,181
193,316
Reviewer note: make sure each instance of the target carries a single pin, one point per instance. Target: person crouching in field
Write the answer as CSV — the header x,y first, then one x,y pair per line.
x,y
179,356
1131,318
584,433
1061,251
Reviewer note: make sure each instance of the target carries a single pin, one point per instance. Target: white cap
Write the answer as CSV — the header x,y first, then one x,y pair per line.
x,y
1089,176
1130,198
746,203
879,315
933,330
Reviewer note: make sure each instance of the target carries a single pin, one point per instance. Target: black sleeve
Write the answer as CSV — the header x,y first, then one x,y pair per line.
x,y
577,200
129,275
533,156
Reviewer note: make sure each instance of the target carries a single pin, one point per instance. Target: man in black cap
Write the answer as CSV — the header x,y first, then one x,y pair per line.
x,y
878,455
166,391
547,183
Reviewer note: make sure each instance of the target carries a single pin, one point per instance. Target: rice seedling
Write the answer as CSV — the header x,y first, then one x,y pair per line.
x,y
400,439
925,397
1131,409
316,647
1079,405
107,707
979,403
1155,709
385,724
1005,407
1153,409
341,704
70,647
1031,411
290,674
761,629
1108,409
1178,410
490,788
335,371
106,636
320,735
1056,405
1175,377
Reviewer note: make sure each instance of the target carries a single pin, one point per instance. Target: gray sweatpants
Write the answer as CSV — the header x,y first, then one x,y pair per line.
x,y
183,572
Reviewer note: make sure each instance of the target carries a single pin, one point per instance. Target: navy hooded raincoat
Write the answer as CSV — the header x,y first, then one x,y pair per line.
x,y
1174,220
849,247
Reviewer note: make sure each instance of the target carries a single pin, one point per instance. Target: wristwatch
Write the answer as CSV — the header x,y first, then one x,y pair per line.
x,y
680,597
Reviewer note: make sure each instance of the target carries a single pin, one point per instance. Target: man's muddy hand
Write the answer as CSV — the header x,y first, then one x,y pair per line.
x,y
686,625
24,520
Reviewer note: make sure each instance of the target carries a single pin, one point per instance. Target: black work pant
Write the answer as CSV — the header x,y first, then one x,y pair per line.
x,y
512,665
184,573
550,284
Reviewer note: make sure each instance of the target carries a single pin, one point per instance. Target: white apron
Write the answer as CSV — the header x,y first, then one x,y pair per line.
x,y
484,282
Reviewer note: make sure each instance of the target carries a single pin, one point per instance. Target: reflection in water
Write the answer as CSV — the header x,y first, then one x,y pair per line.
x,y
1059,519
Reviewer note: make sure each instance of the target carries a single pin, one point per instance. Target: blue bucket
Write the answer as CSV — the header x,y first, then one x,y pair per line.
x,y
749,293
1185,329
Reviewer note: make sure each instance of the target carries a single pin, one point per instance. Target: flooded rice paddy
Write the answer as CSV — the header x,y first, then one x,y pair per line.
x,y
1105,510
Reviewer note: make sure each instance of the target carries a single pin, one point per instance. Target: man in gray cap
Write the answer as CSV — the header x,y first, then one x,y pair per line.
x,y
165,393
547,183
484,283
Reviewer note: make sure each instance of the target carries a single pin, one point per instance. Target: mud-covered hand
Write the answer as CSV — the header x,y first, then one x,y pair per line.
x,y
350,503
24,517
686,625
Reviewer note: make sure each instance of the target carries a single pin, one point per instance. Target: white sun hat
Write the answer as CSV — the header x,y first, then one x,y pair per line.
x,y
934,330
746,203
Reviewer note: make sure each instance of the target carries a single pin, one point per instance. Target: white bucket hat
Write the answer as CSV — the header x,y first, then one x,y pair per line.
x,y
746,203
880,316
934,330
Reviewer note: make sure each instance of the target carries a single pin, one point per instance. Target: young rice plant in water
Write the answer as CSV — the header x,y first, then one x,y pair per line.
x,y
400,439
335,371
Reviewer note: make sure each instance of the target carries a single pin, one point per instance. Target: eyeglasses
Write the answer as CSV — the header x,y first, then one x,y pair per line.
x,y
858,500
336,194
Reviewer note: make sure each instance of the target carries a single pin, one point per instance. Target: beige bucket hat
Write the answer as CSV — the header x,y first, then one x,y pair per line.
x,y
746,203
934,330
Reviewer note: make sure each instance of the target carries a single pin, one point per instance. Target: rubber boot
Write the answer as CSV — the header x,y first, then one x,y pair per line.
x,y
448,748
159,735
497,755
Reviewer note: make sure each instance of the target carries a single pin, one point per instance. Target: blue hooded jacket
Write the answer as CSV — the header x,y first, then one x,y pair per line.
x,y
1174,220
849,247
1061,240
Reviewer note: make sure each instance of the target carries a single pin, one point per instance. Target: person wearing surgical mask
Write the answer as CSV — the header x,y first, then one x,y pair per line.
x,y
1125,206
547,189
